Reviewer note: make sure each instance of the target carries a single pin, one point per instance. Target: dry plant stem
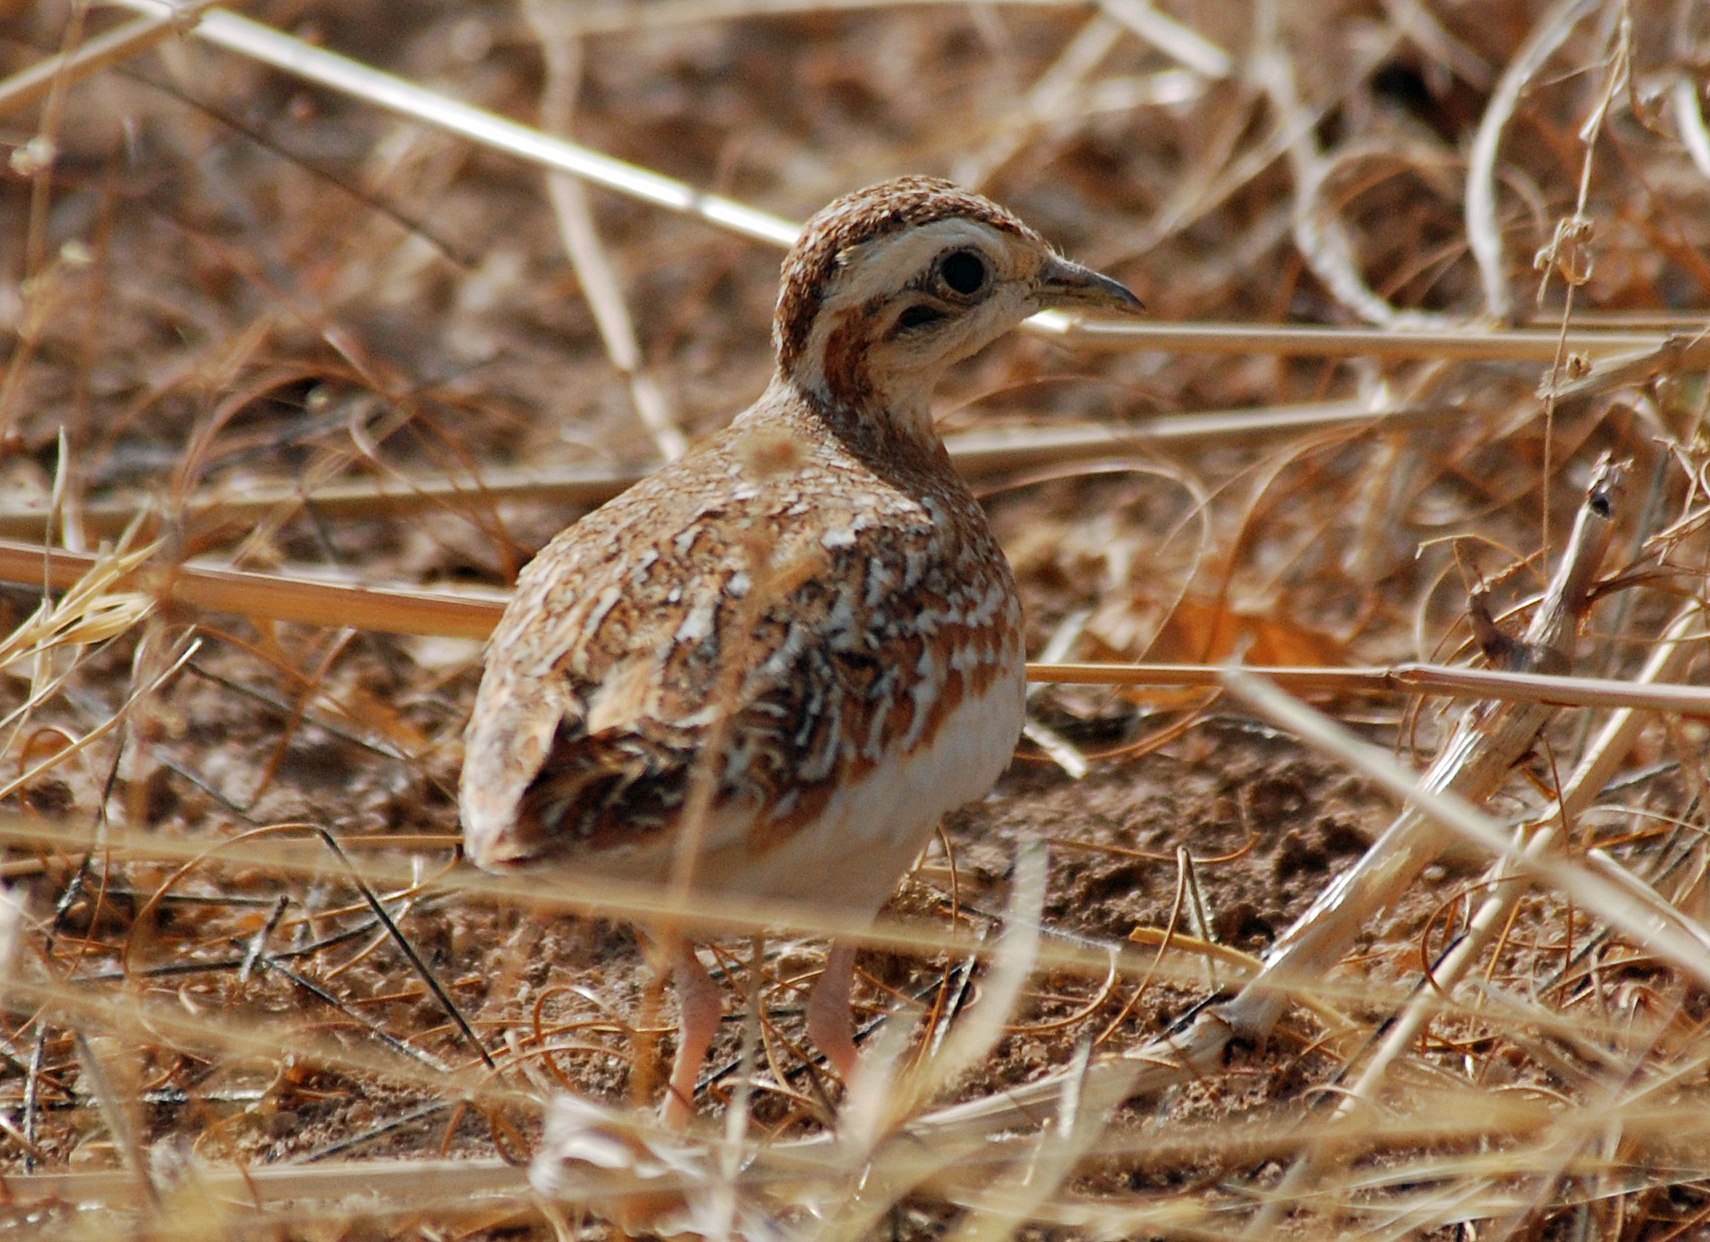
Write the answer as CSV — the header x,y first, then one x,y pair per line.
x,y
117,1111
976,454
267,596
1415,22
972,1038
385,90
1689,119
1669,658
1055,747
1568,254
271,597
208,1034
1470,343
1048,1162
621,18
11,919
1672,653
132,39
631,902
1172,37
401,1180
1484,229
396,94
1484,746
94,607
35,162
96,732
275,597
1625,370
1405,678
588,252
1318,234
354,498
807,1168
871,1137
1047,97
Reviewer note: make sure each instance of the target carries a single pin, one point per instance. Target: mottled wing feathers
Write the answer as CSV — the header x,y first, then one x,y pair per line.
x,y
734,627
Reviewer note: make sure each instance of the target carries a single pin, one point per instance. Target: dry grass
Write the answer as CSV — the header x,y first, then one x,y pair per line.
x,y
321,318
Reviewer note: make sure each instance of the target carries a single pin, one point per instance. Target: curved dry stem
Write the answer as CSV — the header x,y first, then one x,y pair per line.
x,y
1484,229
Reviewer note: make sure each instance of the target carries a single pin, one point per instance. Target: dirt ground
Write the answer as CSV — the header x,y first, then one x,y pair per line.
x,y
227,281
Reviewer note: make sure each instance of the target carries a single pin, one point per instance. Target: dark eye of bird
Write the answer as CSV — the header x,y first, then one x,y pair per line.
x,y
963,271
918,316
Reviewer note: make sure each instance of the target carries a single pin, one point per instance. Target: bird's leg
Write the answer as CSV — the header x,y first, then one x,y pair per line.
x,y
697,997
829,1015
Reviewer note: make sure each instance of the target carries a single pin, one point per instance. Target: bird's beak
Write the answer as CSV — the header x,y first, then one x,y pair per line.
x,y
1066,284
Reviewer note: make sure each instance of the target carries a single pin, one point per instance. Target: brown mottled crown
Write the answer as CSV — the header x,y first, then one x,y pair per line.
x,y
878,210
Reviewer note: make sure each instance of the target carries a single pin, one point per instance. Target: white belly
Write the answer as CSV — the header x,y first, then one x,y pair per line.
x,y
852,858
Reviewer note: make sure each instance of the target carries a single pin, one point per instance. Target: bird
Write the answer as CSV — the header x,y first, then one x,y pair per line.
x,y
769,668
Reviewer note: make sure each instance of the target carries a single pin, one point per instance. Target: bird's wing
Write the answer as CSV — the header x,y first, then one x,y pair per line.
x,y
729,626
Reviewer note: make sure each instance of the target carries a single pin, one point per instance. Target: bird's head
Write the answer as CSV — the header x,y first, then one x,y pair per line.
x,y
890,285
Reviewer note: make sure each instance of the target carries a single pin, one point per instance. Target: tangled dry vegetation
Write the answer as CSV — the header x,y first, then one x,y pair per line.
x,y
307,349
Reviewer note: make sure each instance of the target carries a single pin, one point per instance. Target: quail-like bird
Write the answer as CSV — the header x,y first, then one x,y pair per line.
x,y
793,650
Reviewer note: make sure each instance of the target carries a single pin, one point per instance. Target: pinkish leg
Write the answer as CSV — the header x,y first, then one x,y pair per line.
x,y
829,1014
697,997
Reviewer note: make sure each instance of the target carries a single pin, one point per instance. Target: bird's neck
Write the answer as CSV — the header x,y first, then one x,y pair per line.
x,y
837,368
878,423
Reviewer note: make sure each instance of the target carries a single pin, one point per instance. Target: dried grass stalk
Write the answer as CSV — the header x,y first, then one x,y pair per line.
x,y
1489,739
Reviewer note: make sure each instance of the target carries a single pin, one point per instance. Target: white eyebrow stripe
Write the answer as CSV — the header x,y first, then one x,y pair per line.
x,y
907,254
